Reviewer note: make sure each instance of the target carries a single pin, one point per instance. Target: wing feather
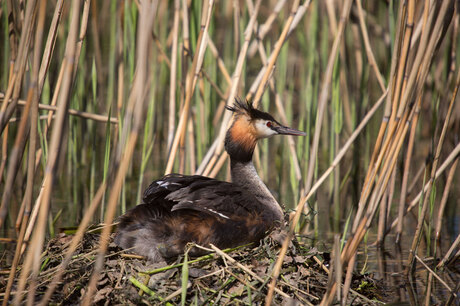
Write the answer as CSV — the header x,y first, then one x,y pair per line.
x,y
199,193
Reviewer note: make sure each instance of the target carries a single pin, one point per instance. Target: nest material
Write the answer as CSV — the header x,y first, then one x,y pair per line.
x,y
210,279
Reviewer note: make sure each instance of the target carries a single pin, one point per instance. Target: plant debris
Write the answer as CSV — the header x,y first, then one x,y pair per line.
x,y
239,277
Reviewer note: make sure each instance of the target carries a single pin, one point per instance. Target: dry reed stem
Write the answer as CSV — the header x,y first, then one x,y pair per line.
x,y
173,75
337,264
19,64
367,45
407,162
15,158
135,113
425,52
32,261
449,253
7,109
236,76
388,164
320,181
274,56
32,218
418,230
4,152
387,170
325,85
49,46
220,61
28,197
264,73
244,268
435,275
409,24
387,112
452,157
445,196
347,284
282,114
262,30
424,55
190,83
87,217
9,93
73,112
185,30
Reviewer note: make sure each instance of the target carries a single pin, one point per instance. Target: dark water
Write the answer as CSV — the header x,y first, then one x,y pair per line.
x,y
387,265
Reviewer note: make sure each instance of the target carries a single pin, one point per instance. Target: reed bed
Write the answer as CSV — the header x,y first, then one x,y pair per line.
x,y
99,98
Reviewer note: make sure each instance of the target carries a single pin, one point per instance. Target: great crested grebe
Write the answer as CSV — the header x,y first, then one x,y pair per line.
x,y
178,209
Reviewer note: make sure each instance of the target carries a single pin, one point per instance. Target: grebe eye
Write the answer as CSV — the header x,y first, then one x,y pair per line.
x,y
269,124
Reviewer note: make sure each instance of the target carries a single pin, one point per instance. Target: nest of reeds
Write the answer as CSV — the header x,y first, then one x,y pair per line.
x,y
237,276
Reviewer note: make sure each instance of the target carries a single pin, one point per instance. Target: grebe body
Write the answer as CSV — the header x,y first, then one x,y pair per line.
x,y
178,209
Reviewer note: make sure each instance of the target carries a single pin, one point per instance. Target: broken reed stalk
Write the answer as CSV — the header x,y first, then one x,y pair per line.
x,y
135,113
73,112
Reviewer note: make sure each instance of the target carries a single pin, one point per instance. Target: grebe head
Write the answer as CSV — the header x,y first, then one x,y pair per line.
x,y
250,125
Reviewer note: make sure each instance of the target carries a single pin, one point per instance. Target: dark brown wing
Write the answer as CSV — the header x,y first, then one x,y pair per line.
x,y
217,198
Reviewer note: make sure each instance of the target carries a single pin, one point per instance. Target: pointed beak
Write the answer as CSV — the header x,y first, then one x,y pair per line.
x,y
284,130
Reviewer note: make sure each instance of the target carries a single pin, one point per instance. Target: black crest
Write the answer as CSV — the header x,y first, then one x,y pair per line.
x,y
248,109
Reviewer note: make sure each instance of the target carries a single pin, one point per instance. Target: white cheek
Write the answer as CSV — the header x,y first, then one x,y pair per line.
x,y
263,130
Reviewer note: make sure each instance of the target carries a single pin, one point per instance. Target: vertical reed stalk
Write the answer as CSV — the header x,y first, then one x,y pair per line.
x,y
135,114
32,261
